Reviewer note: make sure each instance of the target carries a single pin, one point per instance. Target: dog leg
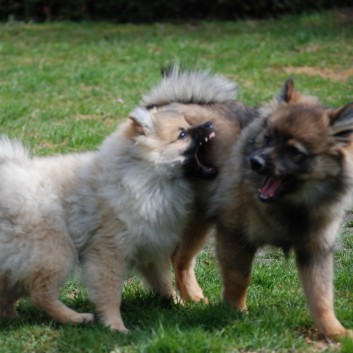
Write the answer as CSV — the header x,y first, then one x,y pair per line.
x,y
235,258
316,273
183,259
7,308
44,292
8,297
104,272
48,302
158,278
56,260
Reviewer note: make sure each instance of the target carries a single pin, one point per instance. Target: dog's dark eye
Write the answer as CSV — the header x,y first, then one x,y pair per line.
x,y
183,133
294,153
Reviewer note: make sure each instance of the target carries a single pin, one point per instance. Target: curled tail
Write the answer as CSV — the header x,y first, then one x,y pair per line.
x,y
190,87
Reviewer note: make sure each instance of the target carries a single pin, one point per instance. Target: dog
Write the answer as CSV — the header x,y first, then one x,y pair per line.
x,y
287,182
199,96
122,206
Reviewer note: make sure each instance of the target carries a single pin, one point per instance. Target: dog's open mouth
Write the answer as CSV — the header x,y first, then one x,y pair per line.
x,y
273,188
196,165
202,168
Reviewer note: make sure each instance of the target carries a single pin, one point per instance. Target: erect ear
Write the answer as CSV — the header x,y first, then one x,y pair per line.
x,y
142,119
341,121
289,94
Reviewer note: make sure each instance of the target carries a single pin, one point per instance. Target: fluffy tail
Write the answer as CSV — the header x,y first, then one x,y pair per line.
x,y
12,149
190,87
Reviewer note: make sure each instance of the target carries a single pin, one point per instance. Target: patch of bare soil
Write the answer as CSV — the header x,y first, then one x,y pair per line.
x,y
318,343
336,75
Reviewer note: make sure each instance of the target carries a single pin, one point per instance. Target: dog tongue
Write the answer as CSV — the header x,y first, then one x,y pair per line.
x,y
270,188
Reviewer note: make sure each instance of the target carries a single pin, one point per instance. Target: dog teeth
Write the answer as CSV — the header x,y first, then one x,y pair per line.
x,y
206,139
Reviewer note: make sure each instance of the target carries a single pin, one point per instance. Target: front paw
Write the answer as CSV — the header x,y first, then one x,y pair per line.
x,y
337,336
118,328
115,324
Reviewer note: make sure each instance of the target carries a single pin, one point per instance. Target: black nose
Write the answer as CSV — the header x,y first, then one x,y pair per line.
x,y
208,125
257,163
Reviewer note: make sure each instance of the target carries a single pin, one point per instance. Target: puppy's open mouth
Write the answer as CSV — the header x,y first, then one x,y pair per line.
x,y
204,170
274,188
195,164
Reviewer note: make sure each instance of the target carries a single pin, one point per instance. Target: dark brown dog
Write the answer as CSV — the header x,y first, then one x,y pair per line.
x,y
287,182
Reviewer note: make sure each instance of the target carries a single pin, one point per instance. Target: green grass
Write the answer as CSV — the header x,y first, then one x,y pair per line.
x,y
65,86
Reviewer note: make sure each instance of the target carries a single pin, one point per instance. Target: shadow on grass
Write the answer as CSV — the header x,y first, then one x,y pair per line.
x,y
143,311
158,325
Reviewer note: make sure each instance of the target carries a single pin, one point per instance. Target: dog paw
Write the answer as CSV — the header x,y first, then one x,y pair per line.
x,y
205,300
337,336
86,318
200,299
124,331
118,328
78,319
115,324
176,300
349,334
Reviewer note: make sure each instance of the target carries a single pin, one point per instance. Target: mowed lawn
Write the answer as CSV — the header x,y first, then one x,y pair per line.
x,y
65,86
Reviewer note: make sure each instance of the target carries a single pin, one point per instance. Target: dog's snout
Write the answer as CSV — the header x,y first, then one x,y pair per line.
x,y
257,163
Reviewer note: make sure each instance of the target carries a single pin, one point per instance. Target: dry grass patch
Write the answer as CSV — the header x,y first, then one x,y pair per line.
x,y
336,75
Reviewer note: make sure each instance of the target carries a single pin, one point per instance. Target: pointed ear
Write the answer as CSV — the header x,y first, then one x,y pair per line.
x,y
289,94
142,118
341,121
